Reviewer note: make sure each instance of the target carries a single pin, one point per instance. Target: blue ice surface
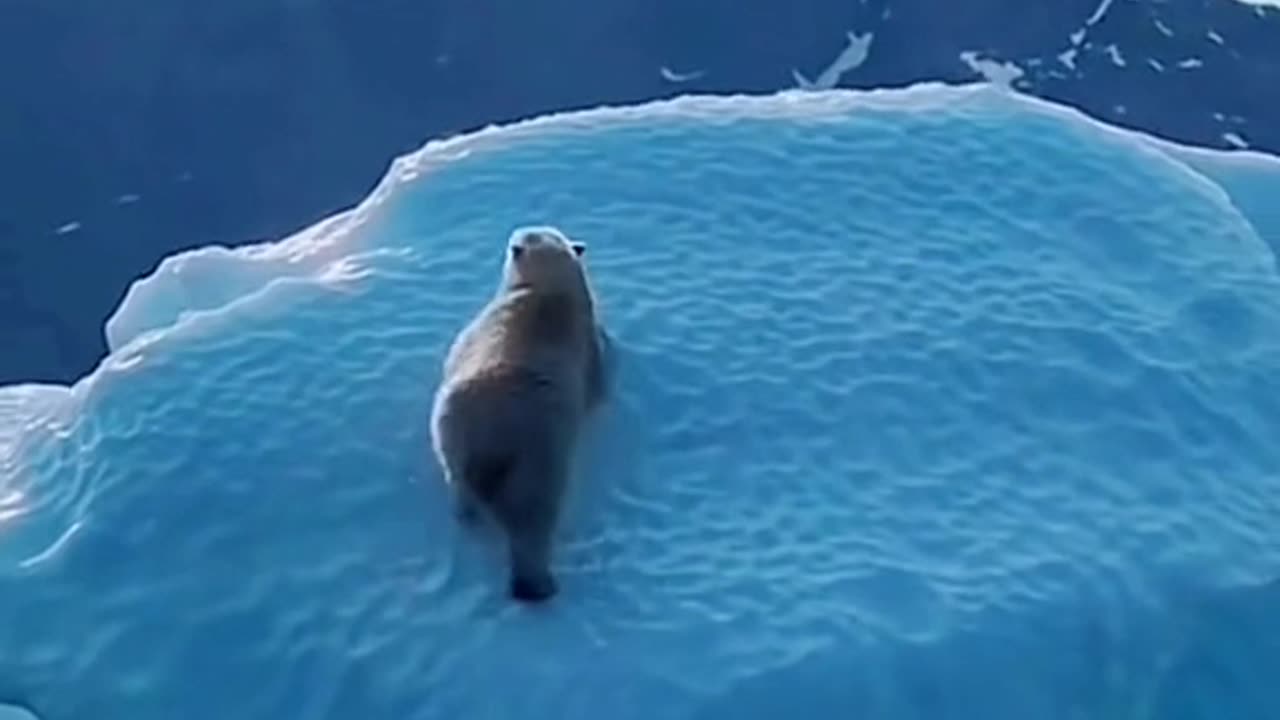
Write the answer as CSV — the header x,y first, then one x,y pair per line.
x,y
932,402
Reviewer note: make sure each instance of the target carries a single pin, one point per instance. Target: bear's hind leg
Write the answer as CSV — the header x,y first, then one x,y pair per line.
x,y
529,520
531,578
528,508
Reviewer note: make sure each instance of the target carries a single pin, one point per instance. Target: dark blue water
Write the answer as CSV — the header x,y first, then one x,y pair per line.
x,y
130,129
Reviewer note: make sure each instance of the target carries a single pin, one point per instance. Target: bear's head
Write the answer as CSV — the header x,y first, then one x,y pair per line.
x,y
543,258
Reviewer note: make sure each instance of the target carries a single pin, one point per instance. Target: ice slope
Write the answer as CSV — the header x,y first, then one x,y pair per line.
x,y
936,402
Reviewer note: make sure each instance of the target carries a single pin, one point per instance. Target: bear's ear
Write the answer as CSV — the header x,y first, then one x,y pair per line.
x,y
579,248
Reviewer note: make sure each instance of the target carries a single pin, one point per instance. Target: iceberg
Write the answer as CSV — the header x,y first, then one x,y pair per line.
x,y
933,402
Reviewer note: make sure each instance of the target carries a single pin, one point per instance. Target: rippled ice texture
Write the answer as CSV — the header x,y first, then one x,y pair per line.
x,y
930,403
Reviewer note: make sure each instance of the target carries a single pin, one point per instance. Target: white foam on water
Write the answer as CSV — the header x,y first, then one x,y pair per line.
x,y
1003,74
854,54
